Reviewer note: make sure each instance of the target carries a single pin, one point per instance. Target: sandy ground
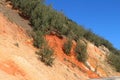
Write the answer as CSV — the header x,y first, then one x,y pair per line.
x,y
18,60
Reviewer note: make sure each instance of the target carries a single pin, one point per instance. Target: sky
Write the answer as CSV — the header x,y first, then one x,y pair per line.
x,y
100,16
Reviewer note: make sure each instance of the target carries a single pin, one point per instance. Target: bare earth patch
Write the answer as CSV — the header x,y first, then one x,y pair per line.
x,y
18,60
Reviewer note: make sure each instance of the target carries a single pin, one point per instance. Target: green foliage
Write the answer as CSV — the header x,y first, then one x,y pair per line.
x,y
114,60
67,46
74,31
46,55
81,52
44,19
15,3
26,6
93,38
38,39
98,41
40,18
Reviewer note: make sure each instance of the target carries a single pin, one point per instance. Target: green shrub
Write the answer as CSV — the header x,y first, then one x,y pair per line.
x,y
67,46
38,39
81,52
44,19
46,55
114,60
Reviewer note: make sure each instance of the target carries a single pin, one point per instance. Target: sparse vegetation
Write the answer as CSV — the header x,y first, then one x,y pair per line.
x,y
38,39
81,51
67,46
114,60
44,19
46,55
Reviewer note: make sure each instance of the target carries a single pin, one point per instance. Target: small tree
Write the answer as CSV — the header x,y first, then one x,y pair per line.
x,y
46,55
114,60
38,39
67,46
81,52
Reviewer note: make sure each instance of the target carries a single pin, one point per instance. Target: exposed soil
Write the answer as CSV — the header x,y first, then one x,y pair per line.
x,y
56,43
18,60
13,15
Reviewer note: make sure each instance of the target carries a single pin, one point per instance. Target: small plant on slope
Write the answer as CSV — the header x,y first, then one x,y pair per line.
x,y
67,46
81,52
46,55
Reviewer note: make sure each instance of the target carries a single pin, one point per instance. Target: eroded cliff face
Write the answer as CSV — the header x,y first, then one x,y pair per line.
x,y
13,48
18,60
57,44
96,65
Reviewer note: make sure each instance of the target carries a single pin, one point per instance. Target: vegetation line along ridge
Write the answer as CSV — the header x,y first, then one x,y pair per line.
x,y
44,20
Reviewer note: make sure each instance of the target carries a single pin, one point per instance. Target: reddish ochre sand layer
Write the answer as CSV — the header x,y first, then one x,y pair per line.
x,y
56,43
18,60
